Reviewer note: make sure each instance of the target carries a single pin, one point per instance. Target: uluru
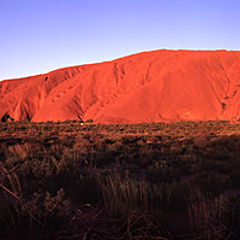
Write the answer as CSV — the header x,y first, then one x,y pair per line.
x,y
156,86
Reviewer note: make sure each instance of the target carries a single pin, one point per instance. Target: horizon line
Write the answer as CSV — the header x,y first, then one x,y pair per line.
x,y
121,57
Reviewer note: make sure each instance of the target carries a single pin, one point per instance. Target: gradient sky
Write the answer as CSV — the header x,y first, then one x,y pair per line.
x,y
42,35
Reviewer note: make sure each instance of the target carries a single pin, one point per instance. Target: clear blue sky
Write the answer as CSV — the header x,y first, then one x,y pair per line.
x,y
37,36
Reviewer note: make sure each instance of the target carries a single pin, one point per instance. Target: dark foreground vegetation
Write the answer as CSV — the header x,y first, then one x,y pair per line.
x,y
146,181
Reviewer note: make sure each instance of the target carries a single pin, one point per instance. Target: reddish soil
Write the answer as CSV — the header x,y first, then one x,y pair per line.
x,y
158,86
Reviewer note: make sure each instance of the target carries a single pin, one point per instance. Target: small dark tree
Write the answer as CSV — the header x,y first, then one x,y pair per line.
x,y
89,121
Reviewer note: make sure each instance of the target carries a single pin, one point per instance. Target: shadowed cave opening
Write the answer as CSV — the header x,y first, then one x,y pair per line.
x,y
7,118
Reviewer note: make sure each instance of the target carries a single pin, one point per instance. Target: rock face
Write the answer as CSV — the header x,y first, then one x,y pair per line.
x,y
158,86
